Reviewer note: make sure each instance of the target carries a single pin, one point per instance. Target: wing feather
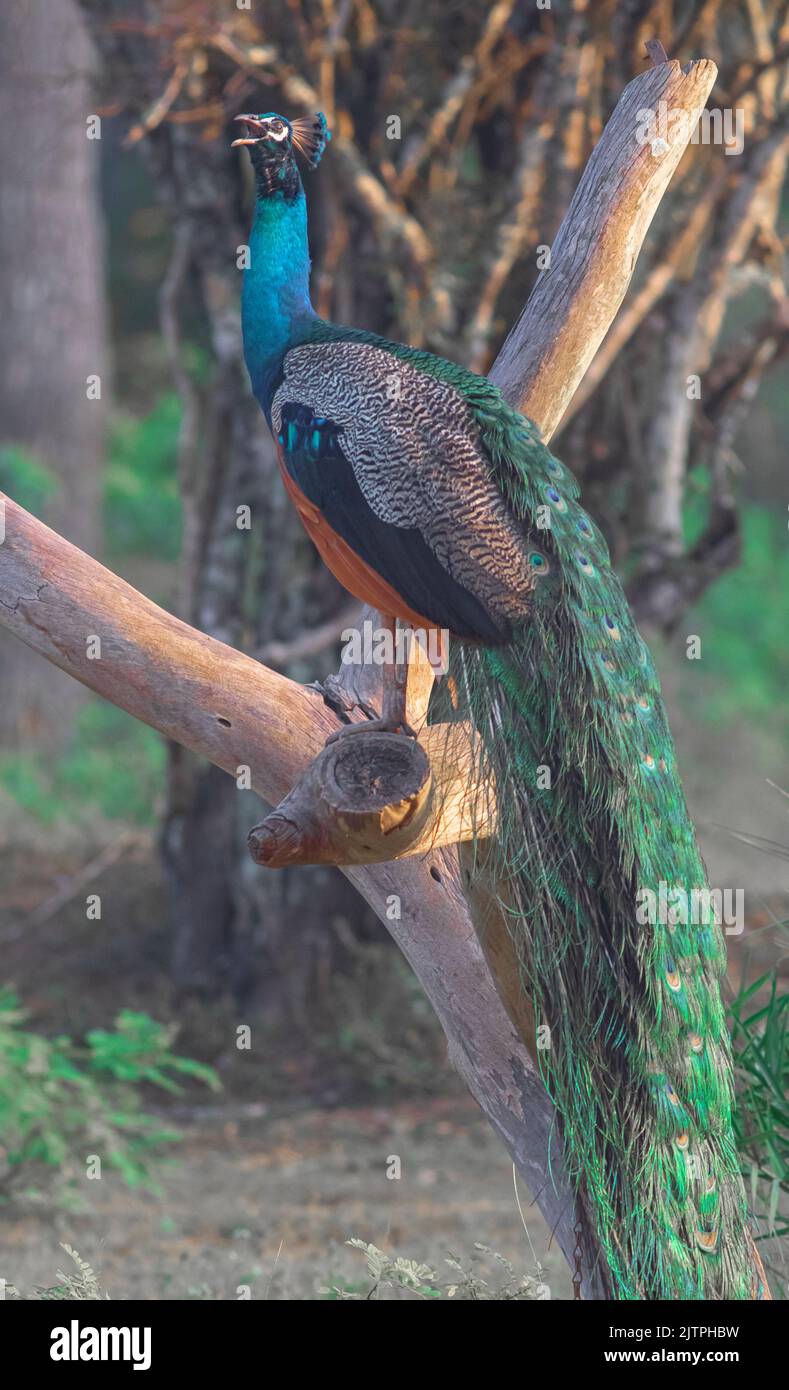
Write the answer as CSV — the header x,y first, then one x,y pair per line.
x,y
413,445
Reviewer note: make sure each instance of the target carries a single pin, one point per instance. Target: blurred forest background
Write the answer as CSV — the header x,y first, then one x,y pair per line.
x,y
460,132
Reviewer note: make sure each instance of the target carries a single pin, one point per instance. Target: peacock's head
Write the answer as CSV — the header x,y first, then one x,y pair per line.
x,y
271,140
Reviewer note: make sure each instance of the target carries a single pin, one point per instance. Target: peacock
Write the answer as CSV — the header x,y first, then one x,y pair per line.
x,y
433,500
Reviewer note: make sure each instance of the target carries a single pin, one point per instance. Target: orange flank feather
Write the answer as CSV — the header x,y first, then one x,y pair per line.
x,y
353,573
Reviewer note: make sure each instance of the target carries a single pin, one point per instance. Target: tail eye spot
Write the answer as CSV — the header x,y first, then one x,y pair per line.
x,y
555,498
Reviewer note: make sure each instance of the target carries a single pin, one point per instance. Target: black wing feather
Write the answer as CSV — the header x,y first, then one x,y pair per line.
x,y
313,456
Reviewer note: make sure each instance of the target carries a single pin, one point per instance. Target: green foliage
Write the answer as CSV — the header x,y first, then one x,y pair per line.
x,y
746,655
113,764
138,1049
142,504
81,1284
760,1036
465,1284
27,480
60,1101
341,1289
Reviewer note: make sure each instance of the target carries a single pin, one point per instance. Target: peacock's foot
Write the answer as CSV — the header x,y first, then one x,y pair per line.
x,y
373,726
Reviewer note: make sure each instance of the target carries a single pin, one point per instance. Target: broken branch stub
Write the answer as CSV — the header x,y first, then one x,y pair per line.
x,y
372,798
363,800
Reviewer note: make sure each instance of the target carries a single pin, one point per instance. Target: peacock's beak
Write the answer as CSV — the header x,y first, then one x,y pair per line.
x,y
252,124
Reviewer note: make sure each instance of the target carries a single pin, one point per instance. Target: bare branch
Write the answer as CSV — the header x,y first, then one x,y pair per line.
x,y
310,642
594,254
375,798
660,279
695,315
656,51
456,91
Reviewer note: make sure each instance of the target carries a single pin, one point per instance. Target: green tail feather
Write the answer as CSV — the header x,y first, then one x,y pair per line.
x,y
591,812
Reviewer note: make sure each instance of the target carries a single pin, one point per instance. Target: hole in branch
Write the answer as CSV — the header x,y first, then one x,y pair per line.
x,y
220,719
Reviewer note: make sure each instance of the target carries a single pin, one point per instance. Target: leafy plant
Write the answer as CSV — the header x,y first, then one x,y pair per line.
x,y
25,479
746,658
61,1102
142,508
466,1283
112,763
81,1284
760,1036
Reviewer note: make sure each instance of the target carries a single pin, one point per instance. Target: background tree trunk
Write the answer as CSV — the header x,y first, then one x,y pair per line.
x,y
52,312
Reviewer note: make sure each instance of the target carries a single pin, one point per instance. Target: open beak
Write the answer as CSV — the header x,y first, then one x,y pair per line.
x,y
252,124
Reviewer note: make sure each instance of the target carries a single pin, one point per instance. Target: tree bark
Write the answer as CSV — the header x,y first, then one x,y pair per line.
x,y
594,254
51,310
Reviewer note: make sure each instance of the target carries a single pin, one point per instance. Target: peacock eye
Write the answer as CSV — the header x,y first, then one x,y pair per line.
x,y
555,498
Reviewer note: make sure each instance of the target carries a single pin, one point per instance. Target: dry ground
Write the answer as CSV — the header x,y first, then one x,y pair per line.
x,y
289,1161
269,1200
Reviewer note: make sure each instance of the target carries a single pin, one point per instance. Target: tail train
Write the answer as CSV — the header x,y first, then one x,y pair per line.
x,y
591,821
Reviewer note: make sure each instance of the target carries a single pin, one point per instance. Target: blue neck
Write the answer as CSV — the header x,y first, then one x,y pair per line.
x,y
276,311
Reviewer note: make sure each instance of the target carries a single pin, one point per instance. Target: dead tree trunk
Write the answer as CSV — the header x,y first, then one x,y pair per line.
x,y
51,310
